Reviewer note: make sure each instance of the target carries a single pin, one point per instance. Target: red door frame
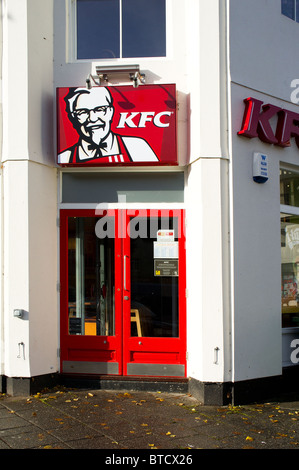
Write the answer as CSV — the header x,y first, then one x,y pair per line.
x,y
121,348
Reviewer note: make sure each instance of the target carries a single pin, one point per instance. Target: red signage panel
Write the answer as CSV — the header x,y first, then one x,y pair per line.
x,y
116,125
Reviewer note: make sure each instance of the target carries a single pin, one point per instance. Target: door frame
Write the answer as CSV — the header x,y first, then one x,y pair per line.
x,y
121,343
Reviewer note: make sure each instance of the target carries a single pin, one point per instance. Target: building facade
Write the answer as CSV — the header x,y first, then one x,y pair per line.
x,y
173,268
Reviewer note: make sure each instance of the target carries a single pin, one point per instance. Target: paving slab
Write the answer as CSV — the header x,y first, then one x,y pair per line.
x,y
115,421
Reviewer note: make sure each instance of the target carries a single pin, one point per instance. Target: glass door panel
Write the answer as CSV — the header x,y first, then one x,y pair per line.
x,y
154,294
90,279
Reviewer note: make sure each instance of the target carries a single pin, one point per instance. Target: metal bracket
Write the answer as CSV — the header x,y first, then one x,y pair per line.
x,y
102,74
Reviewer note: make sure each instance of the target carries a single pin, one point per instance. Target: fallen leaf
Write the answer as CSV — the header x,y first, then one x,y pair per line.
x,y
248,438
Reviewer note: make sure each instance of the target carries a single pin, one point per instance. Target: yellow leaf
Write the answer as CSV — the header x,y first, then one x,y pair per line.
x,y
248,438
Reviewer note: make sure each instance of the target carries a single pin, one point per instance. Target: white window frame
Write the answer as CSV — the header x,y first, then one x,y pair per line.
x,y
71,37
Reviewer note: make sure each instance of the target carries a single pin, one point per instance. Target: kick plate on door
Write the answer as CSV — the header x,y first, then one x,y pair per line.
x,y
160,370
85,367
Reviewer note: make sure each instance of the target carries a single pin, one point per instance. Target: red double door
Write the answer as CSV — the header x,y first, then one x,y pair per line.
x,y
123,282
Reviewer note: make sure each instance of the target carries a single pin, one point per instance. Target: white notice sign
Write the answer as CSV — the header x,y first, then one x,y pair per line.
x,y
166,249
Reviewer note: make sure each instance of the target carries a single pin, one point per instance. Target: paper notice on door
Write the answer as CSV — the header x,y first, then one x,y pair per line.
x,y
165,235
166,249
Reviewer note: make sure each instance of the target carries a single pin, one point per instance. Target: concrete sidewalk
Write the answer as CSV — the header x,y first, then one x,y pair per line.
x,y
99,419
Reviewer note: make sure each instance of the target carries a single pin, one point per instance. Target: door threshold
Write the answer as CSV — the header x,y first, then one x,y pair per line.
x,y
132,383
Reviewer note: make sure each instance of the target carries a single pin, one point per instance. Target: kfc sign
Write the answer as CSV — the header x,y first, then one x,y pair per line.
x,y
256,123
117,125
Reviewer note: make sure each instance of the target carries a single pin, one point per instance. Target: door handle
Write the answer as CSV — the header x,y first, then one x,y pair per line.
x,y
125,272
126,297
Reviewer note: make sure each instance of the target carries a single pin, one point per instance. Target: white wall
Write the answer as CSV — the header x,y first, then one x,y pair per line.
x,y
207,192
29,190
264,47
256,253
208,274
263,64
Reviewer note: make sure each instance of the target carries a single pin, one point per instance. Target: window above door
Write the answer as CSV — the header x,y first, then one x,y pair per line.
x,y
115,29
